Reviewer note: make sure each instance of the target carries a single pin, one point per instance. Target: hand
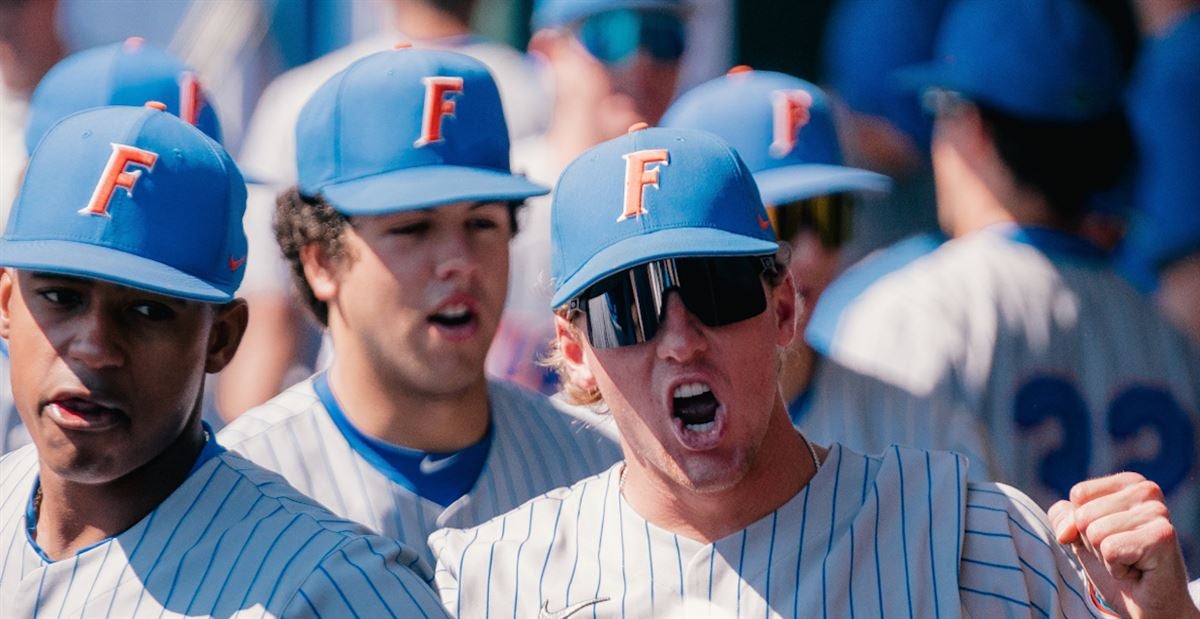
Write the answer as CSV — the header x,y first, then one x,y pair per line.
x,y
1121,531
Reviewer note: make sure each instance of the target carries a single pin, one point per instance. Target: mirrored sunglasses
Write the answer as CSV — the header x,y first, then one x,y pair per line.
x,y
629,307
613,37
829,216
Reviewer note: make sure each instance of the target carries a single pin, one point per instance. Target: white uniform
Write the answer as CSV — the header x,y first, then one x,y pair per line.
x,y
232,540
12,432
535,448
897,535
1071,373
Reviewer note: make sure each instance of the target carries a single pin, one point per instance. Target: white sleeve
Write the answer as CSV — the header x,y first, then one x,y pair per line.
x,y
1012,565
368,577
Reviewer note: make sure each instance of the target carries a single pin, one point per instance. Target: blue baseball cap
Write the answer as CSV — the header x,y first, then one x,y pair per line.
x,y
1049,60
128,73
133,196
648,195
782,127
556,13
407,129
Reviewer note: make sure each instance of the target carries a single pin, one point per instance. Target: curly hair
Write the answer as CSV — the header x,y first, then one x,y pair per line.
x,y
301,220
556,360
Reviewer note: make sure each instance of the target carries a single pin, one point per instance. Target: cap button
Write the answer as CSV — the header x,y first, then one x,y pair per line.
x,y
157,105
133,43
402,45
741,68
637,127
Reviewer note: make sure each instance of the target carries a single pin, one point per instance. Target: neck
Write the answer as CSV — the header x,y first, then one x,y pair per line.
x,y
798,367
384,406
782,468
74,515
424,22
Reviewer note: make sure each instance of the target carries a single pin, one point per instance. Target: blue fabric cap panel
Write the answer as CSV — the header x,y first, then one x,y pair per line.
x,y
554,13
691,196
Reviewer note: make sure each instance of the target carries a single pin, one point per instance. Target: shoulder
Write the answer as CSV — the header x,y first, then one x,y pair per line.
x,y
296,403
545,419
1012,563
451,545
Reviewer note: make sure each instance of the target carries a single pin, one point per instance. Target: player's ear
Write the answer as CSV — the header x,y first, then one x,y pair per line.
x,y
784,305
229,325
570,349
320,269
7,277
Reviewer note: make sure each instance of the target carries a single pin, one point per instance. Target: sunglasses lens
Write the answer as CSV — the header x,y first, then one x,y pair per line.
x,y
628,307
613,37
828,216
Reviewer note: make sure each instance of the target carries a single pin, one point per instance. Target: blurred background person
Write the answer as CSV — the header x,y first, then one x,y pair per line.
x,y
1019,319
611,63
1164,249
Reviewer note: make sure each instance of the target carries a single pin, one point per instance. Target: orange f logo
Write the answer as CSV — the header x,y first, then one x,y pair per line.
x,y
114,176
191,99
790,114
637,177
437,106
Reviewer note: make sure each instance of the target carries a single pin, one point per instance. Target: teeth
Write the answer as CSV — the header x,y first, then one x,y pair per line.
x,y
701,428
454,311
691,390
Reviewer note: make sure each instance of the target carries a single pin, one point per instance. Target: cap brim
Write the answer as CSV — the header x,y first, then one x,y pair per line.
x,y
106,264
669,243
582,10
790,183
425,187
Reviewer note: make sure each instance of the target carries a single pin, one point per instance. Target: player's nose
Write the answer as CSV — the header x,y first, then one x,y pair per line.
x,y
681,337
455,256
94,340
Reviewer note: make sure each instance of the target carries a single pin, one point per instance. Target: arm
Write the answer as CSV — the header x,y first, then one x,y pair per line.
x,y
1121,532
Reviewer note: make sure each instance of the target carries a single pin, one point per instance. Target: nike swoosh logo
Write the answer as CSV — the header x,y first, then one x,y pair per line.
x,y
763,223
236,263
546,613
430,466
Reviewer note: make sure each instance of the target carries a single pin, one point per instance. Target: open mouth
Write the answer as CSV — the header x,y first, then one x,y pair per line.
x,y
83,414
455,321
695,406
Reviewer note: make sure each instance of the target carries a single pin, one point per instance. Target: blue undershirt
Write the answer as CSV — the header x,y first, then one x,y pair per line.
x,y
439,477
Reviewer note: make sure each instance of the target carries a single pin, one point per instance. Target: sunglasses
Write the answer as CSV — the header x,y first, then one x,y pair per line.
x,y
629,307
613,37
829,216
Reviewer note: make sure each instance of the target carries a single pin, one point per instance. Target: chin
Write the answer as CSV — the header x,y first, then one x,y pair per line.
x,y
711,476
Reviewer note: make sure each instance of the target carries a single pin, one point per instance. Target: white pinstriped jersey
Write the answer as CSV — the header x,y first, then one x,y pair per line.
x,y
897,535
12,431
535,448
232,540
1070,372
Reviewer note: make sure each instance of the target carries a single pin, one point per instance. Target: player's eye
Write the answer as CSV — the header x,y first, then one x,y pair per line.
x,y
483,223
63,297
415,228
153,311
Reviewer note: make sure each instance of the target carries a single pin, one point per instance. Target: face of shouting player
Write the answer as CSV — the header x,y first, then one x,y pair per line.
x,y
108,378
419,294
693,404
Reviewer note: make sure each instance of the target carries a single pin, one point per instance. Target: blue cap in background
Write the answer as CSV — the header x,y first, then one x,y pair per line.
x,y
128,73
407,129
1047,60
133,196
792,157
1163,113
648,195
556,13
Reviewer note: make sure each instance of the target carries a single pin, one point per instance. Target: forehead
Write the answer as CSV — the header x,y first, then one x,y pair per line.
x,y
462,208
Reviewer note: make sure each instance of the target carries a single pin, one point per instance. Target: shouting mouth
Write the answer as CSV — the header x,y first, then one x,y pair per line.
x,y
456,321
698,415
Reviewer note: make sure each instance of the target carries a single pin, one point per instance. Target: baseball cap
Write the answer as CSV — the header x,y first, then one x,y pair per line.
x,y
133,196
128,73
407,129
648,195
1049,60
782,127
556,13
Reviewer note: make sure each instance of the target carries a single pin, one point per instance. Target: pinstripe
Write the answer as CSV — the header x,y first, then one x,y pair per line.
x,y
741,569
600,541
462,563
367,579
70,582
932,538
800,552
649,561
878,572
103,560
575,562
491,558
533,450
904,538
199,539
549,549
771,557
624,580
678,557
837,478
338,590
517,562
